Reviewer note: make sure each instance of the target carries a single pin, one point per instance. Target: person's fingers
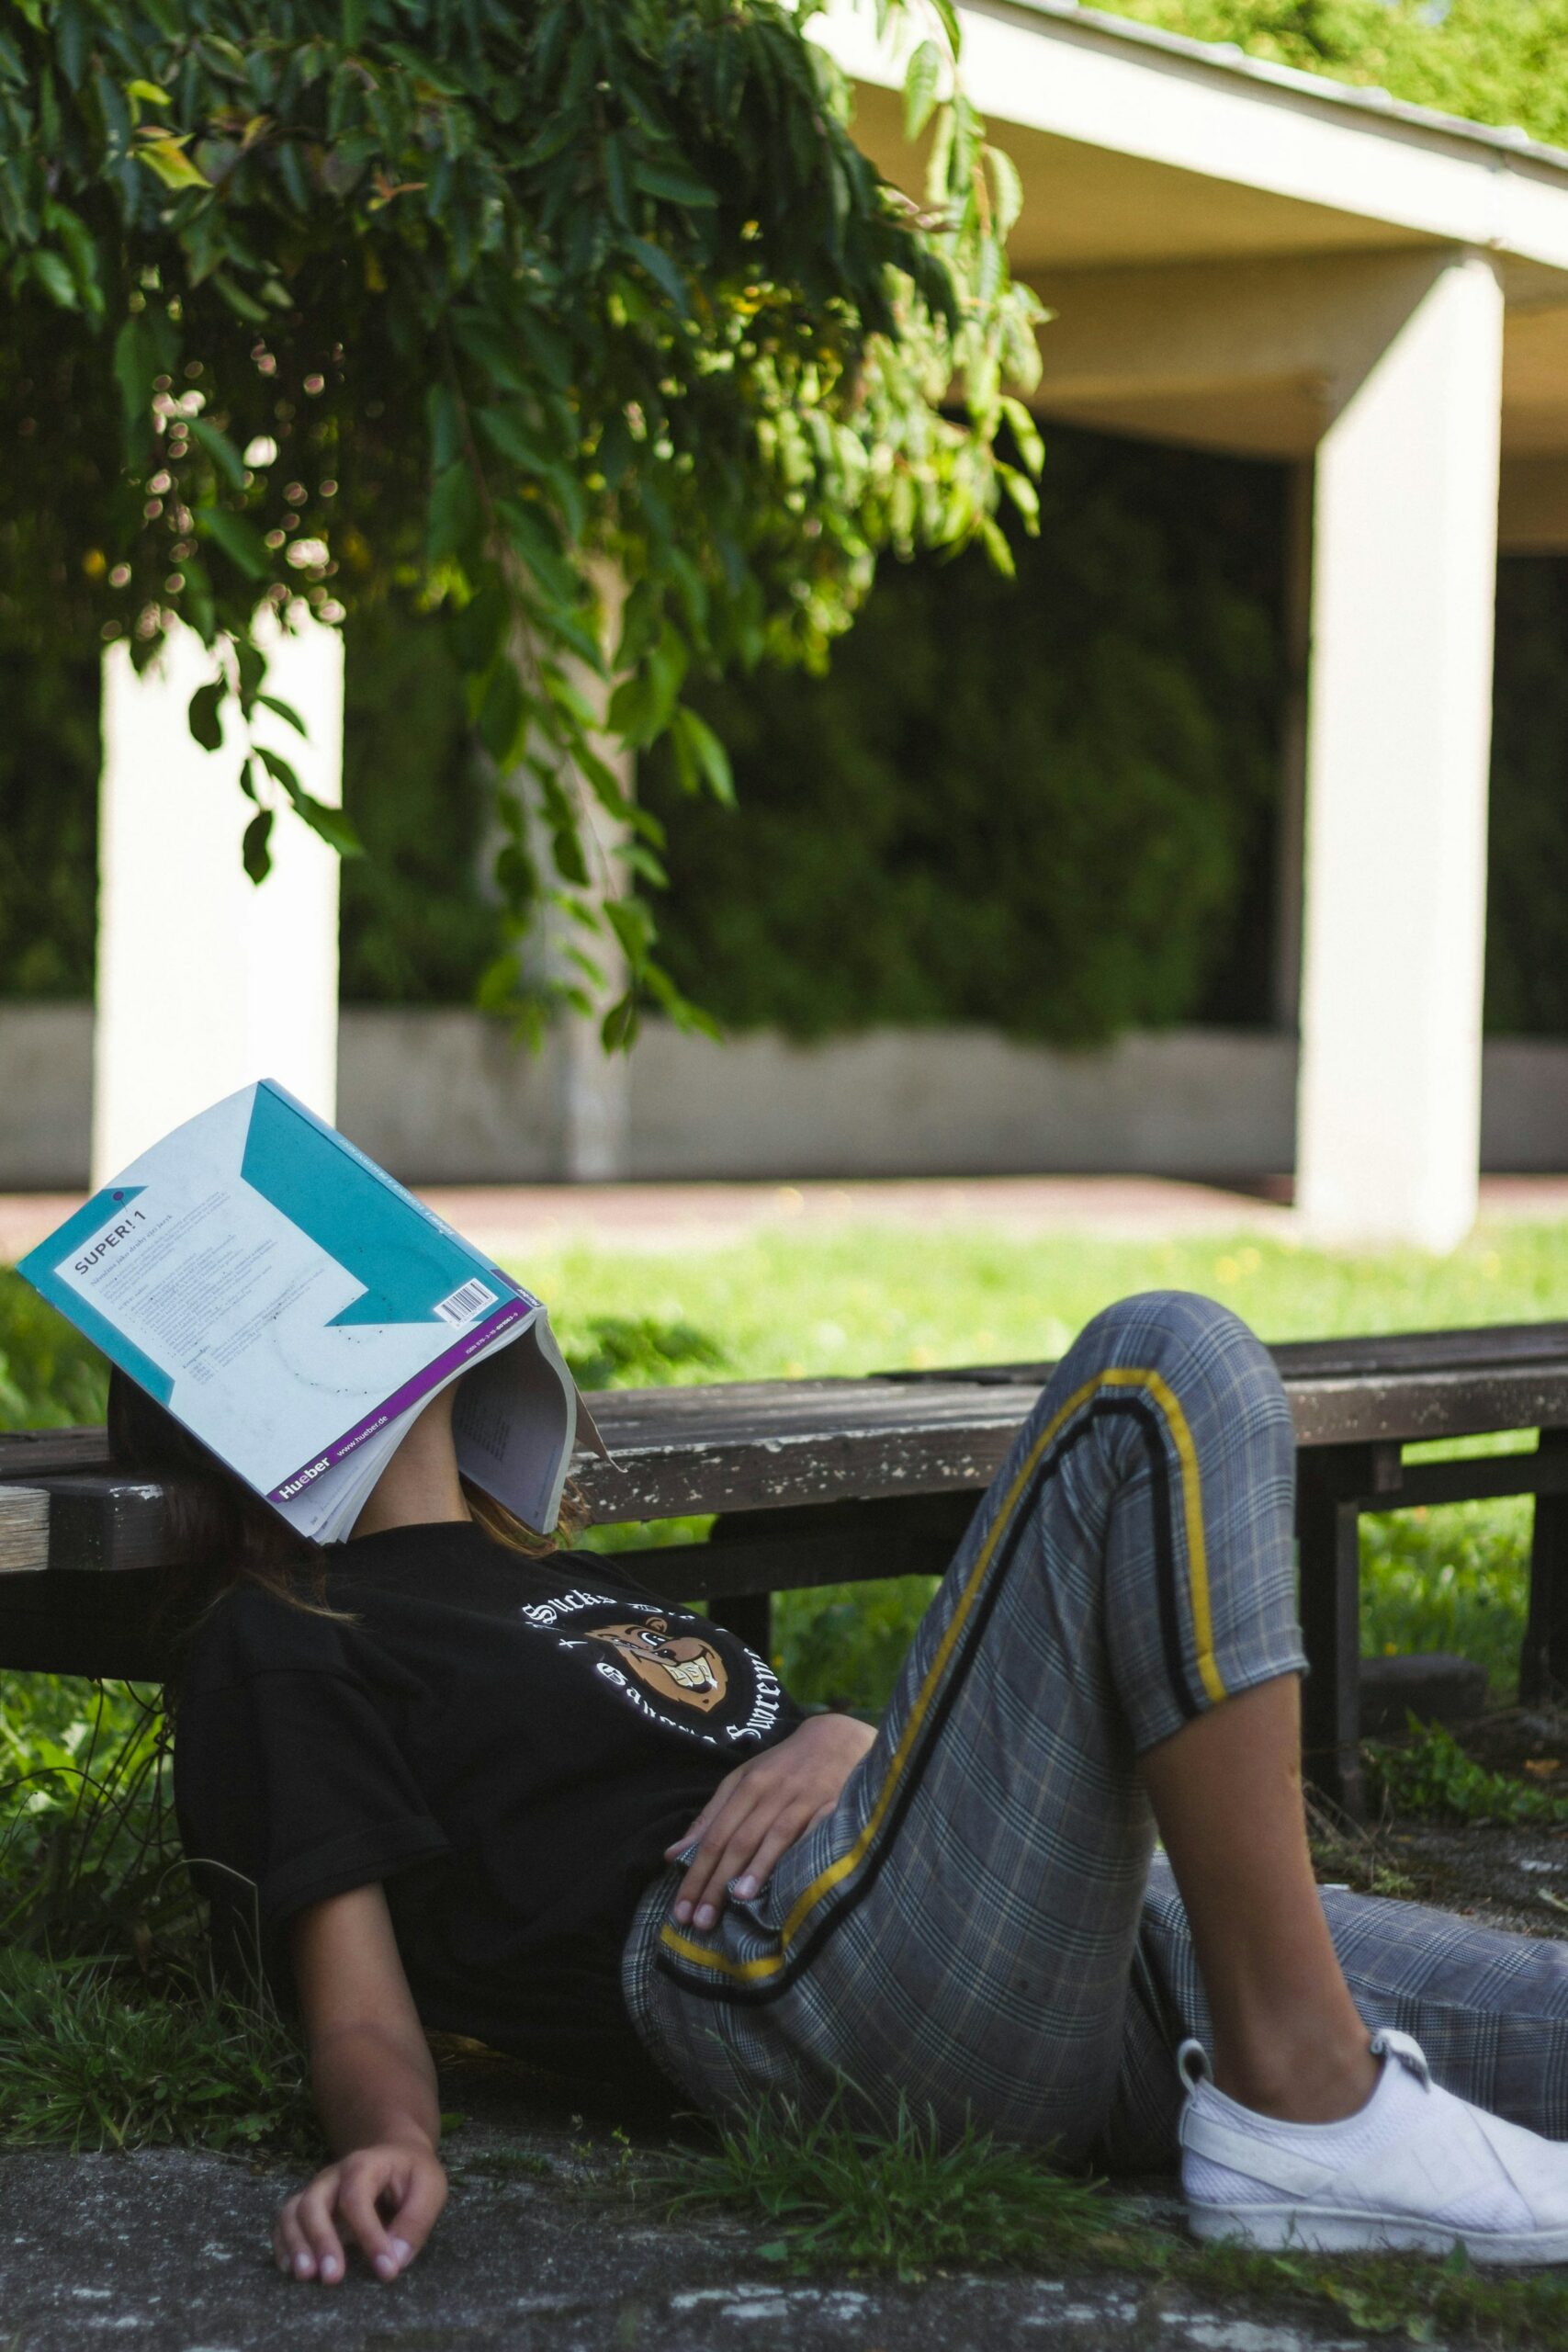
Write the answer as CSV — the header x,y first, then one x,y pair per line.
x,y
700,1896
720,1827
419,2208
757,1869
362,2185
288,2241
752,1845
714,1806
314,2214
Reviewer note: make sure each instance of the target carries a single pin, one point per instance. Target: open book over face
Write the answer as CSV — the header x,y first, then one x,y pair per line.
x,y
290,1304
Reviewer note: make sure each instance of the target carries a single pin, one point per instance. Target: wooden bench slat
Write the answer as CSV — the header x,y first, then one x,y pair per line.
x,y
783,1445
23,1530
1472,1347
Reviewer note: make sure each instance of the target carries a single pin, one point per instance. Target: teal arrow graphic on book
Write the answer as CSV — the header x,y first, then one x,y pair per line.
x,y
350,1210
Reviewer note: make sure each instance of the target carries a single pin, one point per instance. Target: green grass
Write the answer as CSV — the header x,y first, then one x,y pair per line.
x,y
91,2058
836,2197
900,2200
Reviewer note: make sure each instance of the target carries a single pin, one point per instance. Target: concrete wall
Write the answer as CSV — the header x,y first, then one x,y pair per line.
x,y
441,1097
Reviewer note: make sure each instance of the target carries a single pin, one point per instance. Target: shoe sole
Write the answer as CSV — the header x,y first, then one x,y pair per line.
x,y
1311,2229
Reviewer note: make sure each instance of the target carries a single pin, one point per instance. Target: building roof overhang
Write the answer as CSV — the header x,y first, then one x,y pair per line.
x,y
1140,151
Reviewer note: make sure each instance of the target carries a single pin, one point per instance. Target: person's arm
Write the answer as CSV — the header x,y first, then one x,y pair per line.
x,y
760,1808
375,2089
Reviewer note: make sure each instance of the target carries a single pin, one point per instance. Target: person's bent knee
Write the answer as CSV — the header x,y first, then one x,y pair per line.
x,y
1164,1321
1197,1349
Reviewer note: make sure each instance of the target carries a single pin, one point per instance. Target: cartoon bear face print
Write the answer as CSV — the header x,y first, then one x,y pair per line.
x,y
680,1667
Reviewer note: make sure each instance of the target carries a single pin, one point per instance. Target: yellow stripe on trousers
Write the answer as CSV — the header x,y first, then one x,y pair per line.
x,y
753,1971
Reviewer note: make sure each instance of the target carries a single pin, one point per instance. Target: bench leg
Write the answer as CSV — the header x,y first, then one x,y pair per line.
x,y
1543,1660
1328,1523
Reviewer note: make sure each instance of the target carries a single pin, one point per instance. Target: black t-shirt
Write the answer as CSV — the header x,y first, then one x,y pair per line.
x,y
509,1744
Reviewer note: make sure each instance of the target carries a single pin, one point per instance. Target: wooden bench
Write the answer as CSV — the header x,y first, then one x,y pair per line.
x,y
839,1481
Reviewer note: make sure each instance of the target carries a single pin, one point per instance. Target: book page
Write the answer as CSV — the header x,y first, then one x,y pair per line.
x,y
514,1422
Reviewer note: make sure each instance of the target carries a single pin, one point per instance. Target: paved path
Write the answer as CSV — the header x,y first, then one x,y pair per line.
x,y
168,2253
507,1219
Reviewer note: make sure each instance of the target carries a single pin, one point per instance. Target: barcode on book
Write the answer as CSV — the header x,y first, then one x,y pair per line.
x,y
466,1302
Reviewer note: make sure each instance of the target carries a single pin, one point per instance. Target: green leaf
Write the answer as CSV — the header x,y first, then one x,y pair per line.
x,y
165,155
617,1031
528,533
244,305
286,711
510,432
149,91
445,422
456,519
206,716
1007,191
55,278
221,449
254,849
251,664
921,85
239,540
502,715
668,181
994,540
330,824
1025,432
661,269
277,767
708,754
497,352
478,630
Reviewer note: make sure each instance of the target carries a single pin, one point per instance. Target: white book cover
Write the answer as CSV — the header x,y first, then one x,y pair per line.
x,y
293,1306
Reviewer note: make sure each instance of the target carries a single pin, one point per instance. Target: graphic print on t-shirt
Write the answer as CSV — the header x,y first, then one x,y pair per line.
x,y
682,1665
671,1667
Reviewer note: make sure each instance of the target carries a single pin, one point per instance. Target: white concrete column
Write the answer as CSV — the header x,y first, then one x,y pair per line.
x,y
207,981
1398,737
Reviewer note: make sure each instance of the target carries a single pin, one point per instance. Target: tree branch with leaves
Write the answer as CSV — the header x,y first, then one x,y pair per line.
x,y
458,300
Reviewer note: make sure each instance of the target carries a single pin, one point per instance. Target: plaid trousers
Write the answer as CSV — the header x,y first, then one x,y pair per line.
x,y
976,1926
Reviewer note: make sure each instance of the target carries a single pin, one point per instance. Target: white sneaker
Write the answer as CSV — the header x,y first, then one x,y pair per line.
x,y
1416,2168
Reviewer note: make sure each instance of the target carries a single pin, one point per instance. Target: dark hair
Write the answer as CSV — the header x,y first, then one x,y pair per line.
x,y
219,1533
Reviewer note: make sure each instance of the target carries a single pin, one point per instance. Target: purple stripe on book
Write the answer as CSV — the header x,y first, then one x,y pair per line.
x,y
513,1310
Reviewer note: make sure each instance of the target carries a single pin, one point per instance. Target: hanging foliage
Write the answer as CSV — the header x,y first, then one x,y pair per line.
x,y
473,301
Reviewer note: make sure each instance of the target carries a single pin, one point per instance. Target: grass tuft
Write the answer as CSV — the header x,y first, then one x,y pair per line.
x,y
89,2060
840,2196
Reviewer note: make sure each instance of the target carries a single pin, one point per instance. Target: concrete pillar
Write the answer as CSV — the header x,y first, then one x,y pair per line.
x,y
207,981
1406,536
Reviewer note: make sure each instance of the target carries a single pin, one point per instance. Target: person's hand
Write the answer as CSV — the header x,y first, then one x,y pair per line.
x,y
386,2198
760,1808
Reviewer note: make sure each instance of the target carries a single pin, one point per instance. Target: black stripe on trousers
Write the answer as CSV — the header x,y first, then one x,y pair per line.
x,y
721,1988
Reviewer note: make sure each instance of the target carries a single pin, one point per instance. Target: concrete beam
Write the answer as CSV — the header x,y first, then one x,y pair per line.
x,y
1405,530
1082,79
1251,356
205,981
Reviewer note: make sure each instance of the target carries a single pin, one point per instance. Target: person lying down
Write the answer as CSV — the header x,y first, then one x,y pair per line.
x,y
457,1780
